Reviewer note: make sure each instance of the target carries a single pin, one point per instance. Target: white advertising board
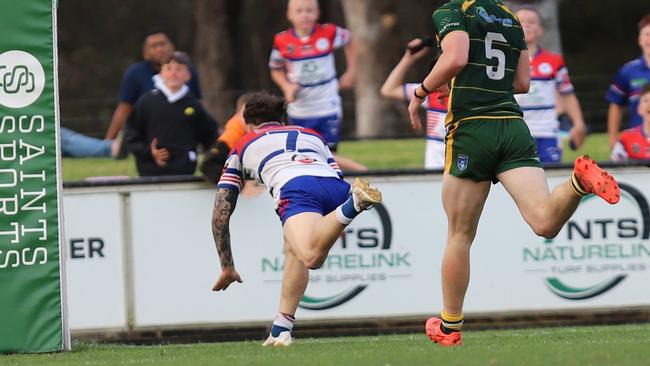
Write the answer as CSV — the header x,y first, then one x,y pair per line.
x,y
387,263
379,267
95,267
601,258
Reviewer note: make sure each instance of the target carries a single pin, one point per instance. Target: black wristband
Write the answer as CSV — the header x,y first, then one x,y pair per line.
x,y
424,88
415,94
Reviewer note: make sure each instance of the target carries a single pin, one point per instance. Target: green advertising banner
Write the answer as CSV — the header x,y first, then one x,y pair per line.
x,y
32,292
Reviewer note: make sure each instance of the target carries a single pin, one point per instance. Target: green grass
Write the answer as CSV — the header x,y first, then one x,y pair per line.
x,y
79,169
385,154
376,154
610,345
596,145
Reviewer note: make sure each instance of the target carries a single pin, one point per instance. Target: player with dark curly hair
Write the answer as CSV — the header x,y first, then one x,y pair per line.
x,y
313,201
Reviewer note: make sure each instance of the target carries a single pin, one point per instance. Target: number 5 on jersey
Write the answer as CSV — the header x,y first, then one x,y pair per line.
x,y
499,71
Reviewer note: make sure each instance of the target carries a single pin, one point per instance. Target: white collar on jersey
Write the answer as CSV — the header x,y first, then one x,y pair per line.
x,y
171,96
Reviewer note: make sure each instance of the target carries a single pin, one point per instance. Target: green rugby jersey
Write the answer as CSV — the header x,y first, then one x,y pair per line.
x,y
483,89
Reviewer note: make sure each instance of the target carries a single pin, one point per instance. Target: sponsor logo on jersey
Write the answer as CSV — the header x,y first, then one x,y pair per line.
x,y
322,44
303,159
305,48
490,18
545,68
446,23
638,83
291,48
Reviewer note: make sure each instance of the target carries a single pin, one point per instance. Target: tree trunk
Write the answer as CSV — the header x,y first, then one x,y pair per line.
x,y
213,56
363,18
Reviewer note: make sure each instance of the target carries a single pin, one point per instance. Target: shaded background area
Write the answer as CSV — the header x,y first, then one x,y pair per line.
x,y
597,38
98,40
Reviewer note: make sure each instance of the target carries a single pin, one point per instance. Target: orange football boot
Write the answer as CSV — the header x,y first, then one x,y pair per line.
x,y
595,180
438,336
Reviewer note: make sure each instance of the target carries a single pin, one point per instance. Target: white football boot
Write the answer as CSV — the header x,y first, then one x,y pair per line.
x,y
282,340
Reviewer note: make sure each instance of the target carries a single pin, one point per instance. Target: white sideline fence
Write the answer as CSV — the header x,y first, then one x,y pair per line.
x,y
142,256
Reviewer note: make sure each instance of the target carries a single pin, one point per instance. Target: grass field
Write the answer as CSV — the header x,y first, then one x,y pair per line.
x,y
610,345
376,154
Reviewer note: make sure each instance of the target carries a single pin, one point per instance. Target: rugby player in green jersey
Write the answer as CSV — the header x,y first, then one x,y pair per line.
x,y
485,62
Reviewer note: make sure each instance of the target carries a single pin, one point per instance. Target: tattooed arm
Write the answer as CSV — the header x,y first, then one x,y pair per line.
x,y
224,205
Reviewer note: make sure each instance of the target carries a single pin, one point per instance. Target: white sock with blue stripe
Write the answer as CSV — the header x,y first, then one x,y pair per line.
x,y
346,212
282,323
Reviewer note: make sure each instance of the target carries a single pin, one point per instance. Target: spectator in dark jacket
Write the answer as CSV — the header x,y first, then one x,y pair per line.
x,y
138,78
168,123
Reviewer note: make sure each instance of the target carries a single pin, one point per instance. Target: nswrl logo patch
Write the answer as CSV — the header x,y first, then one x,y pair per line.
x,y
462,162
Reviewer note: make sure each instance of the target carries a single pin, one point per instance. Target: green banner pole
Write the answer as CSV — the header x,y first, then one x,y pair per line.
x,y
32,260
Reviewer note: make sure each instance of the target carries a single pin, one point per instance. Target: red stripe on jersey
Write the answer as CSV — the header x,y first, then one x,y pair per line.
x,y
230,180
231,177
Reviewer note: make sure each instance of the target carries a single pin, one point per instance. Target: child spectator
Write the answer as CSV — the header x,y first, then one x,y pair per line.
x,y
302,65
634,143
138,78
549,84
628,83
168,123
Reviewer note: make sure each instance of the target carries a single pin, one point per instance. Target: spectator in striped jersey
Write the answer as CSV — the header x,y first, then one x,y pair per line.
x,y
548,77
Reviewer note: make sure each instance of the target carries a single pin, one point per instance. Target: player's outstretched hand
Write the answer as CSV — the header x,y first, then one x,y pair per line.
x,y
414,106
228,275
